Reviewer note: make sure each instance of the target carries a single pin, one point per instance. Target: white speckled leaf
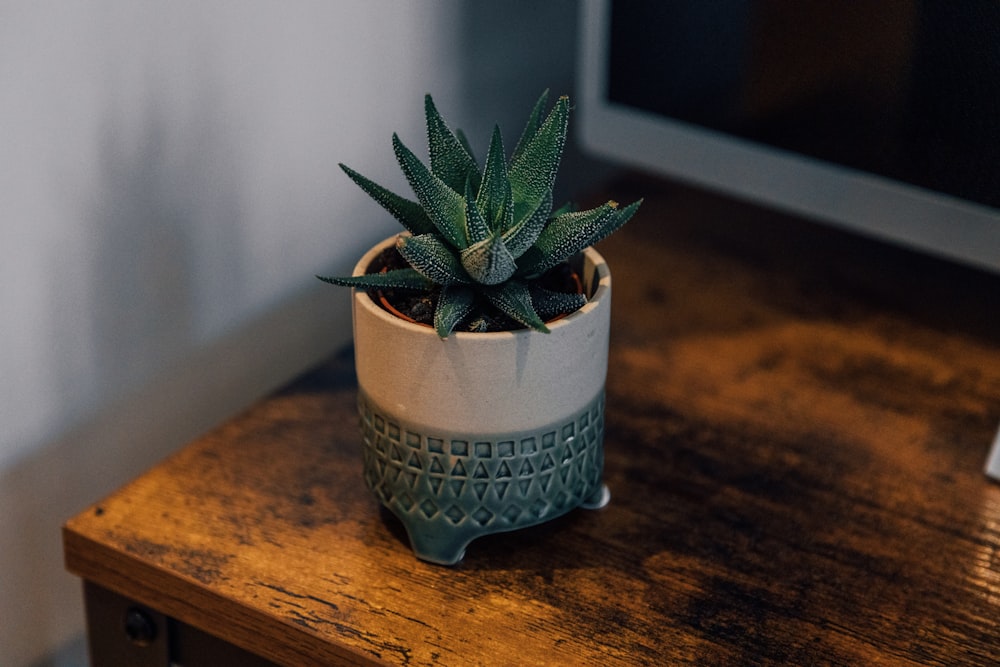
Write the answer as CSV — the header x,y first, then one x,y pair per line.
x,y
397,278
495,200
615,222
522,235
409,213
432,257
451,161
454,303
444,206
475,223
533,172
531,126
564,236
514,300
549,304
489,262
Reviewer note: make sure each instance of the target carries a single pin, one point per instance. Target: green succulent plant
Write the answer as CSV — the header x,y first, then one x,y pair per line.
x,y
484,238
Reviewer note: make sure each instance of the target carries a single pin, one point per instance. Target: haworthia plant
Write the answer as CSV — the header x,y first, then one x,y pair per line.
x,y
483,238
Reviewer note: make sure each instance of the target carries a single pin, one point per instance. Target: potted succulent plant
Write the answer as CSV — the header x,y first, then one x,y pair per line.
x,y
481,338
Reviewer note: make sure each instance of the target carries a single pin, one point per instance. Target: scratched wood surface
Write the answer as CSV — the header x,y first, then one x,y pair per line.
x,y
796,429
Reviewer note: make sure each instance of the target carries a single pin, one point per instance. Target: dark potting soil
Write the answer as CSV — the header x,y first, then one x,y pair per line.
x,y
419,305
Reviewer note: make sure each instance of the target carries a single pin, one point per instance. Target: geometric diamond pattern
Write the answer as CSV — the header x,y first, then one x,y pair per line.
x,y
450,488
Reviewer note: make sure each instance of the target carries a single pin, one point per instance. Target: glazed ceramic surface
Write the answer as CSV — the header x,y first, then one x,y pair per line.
x,y
482,432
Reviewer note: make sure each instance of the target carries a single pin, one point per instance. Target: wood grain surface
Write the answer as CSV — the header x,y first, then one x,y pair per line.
x,y
797,422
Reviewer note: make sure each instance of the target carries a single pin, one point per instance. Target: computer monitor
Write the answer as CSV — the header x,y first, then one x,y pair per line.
x,y
881,117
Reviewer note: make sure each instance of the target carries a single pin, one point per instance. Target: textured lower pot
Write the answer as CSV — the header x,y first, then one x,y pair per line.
x,y
482,432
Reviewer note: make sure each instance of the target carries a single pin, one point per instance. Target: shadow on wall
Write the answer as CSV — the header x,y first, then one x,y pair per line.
x,y
135,292
164,245
146,229
513,51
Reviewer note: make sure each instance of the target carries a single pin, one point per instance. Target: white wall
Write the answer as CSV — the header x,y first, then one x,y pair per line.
x,y
168,188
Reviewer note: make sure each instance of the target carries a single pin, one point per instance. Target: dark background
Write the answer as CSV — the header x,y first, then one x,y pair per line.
x,y
908,89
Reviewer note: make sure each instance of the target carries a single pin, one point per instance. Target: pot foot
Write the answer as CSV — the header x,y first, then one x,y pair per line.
x,y
438,549
598,499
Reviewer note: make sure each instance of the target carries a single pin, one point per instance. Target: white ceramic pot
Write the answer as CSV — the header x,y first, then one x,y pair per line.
x,y
482,432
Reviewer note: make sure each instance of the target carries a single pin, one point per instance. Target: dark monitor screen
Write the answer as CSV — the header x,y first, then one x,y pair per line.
x,y
882,116
908,89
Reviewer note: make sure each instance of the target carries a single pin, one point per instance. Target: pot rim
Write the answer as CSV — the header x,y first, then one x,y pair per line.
x,y
599,286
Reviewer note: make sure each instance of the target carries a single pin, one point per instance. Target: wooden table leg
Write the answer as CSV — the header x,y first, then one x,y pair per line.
x,y
124,633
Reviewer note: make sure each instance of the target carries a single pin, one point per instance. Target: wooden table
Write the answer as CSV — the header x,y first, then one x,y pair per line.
x,y
796,428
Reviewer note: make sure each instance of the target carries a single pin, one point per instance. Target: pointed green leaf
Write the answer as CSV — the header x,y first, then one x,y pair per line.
x,y
462,139
513,299
475,223
549,304
495,200
522,235
531,127
533,172
615,222
409,213
568,207
564,236
432,257
450,160
395,279
454,303
444,206
489,262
